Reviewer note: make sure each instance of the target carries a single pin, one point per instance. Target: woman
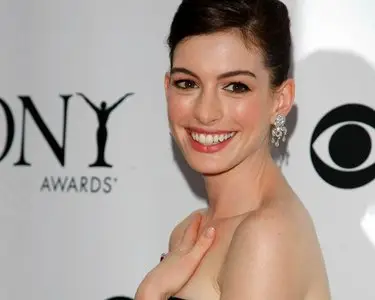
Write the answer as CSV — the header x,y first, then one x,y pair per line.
x,y
228,93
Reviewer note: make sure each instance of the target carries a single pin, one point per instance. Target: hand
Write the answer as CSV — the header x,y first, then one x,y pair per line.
x,y
167,278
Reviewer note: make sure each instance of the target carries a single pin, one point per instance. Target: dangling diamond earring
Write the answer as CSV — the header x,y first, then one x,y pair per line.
x,y
279,130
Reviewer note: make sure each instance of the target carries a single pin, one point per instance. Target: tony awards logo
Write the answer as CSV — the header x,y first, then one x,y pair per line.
x,y
61,183
102,113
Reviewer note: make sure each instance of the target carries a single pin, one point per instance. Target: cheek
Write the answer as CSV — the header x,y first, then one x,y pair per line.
x,y
250,114
178,108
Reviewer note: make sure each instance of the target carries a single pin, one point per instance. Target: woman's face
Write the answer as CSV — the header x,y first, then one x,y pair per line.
x,y
220,102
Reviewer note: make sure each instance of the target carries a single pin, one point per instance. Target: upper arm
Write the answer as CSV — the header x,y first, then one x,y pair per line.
x,y
263,263
178,232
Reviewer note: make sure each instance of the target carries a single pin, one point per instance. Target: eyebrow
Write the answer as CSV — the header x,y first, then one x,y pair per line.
x,y
221,76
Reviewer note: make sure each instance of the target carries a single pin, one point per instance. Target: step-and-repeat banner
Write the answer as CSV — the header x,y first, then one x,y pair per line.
x,y
91,184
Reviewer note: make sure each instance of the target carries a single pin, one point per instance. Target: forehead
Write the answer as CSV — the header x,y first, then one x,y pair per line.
x,y
218,53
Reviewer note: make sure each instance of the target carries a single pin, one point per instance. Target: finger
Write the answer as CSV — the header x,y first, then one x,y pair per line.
x,y
181,266
202,245
191,233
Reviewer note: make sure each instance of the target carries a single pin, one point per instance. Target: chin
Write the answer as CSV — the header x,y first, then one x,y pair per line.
x,y
210,163
208,166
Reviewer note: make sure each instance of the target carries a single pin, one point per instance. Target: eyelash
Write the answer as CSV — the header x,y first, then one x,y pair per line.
x,y
244,88
191,84
177,83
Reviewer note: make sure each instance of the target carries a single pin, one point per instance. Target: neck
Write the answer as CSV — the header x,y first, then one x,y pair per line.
x,y
243,188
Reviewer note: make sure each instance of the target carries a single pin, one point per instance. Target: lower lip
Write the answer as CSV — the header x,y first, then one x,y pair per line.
x,y
211,148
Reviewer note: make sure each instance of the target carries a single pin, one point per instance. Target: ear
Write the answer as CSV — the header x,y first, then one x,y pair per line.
x,y
283,99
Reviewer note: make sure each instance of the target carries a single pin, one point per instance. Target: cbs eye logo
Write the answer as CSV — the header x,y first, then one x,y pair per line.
x,y
341,146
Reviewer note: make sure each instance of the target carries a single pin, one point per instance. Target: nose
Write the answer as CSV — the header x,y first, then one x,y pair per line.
x,y
208,108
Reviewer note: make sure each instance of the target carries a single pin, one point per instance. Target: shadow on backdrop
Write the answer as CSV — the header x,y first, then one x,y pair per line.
x,y
325,81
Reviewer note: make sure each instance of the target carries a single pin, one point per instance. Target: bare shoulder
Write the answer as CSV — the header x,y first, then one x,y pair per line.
x,y
284,225
268,253
283,219
178,231
273,226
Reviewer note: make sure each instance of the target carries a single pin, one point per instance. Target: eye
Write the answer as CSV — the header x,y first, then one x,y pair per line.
x,y
184,84
342,146
237,87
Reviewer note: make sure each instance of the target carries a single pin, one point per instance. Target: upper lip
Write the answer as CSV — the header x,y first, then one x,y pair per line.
x,y
209,131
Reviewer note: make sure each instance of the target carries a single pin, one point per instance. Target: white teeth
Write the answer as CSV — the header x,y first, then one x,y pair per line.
x,y
211,139
202,138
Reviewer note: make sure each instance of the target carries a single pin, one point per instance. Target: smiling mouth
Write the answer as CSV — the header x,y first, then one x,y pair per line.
x,y
209,139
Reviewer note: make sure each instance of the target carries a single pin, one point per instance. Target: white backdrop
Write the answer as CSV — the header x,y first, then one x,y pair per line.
x,y
71,231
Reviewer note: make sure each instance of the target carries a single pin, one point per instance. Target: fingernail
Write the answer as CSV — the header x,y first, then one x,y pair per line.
x,y
210,232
